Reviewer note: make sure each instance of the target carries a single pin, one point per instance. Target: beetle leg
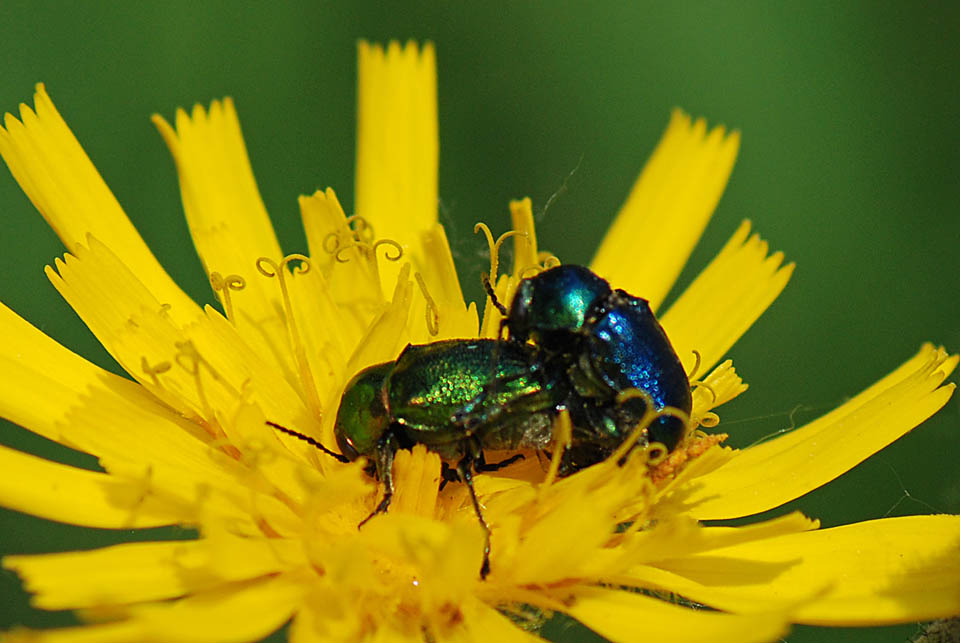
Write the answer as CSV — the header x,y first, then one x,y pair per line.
x,y
385,450
447,474
480,464
463,468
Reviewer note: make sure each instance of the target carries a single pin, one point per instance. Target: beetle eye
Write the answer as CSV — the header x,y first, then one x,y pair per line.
x,y
346,447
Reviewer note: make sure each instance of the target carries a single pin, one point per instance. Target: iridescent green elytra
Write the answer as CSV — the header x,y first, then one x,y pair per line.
x,y
446,393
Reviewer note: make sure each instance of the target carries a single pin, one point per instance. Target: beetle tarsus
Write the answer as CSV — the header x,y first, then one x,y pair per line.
x,y
381,508
482,466
463,468
385,451
447,474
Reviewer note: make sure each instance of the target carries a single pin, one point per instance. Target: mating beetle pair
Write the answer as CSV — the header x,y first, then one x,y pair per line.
x,y
573,344
608,342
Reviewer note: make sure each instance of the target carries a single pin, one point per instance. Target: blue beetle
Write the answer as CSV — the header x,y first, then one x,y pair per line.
x,y
609,342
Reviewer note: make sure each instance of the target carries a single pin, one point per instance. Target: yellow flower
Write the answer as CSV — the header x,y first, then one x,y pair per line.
x,y
627,550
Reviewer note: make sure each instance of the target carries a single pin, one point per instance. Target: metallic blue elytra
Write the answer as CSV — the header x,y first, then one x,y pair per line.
x,y
627,348
609,342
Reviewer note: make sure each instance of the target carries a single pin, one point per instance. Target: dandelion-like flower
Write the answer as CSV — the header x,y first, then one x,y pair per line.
x,y
627,547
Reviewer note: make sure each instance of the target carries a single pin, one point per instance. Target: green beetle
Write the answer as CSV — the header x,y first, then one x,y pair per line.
x,y
456,397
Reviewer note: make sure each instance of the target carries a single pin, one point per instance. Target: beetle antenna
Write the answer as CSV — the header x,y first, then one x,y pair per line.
x,y
306,438
488,286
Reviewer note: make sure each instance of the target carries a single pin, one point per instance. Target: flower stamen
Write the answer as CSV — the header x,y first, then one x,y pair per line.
x,y
530,271
153,371
189,359
367,250
701,384
656,453
360,233
391,243
495,245
339,250
431,312
548,260
270,269
361,228
223,285
649,416
696,365
494,248
375,267
562,436
331,243
143,490
710,419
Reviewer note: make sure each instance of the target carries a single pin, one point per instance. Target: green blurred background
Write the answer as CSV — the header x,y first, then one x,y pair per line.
x,y
848,164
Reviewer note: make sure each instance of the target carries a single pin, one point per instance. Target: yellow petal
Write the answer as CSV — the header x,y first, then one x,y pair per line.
x,y
354,282
137,572
682,536
769,474
79,497
525,244
310,627
725,299
220,196
248,374
194,368
324,328
571,524
895,570
456,320
386,335
55,172
324,224
60,396
111,633
128,320
397,145
227,218
668,208
39,396
161,454
722,385
481,624
469,621
238,612
626,616
40,380
417,480
445,554
382,341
